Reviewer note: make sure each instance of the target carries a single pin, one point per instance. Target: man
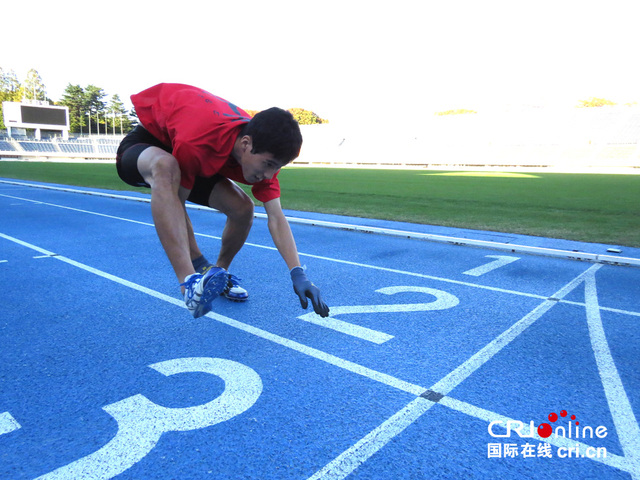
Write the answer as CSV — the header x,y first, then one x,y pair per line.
x,y
192,145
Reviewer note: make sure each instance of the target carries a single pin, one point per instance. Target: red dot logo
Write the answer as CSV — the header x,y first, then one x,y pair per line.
x,y
545,430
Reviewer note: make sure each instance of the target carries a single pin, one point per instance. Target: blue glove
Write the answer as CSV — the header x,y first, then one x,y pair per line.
x,y
304,288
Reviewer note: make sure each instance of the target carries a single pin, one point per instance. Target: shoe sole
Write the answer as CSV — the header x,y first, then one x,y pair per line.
x,y
214,286
235,299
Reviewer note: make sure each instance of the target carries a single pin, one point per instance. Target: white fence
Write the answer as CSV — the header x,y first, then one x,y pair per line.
x,y
571,139
578,137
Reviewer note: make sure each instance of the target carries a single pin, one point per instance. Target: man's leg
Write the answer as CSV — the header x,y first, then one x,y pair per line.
x,y
160,170
139,163
194,249
231,200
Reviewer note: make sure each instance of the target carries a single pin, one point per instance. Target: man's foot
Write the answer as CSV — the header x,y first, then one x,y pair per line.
x,y
201,290
234,291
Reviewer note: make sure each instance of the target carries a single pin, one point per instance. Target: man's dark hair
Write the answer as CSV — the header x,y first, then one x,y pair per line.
x,y
275,131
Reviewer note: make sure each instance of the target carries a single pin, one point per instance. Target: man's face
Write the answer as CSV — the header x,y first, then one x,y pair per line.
x,y
258,166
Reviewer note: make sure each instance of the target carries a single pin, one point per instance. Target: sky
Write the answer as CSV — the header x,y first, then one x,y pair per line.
x,y
348,61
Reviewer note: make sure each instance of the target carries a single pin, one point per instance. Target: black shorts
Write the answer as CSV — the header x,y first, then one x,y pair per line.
x,y
138,140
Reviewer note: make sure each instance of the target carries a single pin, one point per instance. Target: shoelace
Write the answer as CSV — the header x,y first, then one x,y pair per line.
x,y
189,283
232,280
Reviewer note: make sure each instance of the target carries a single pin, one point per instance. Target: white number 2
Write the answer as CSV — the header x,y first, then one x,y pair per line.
x,y
141,422
443,301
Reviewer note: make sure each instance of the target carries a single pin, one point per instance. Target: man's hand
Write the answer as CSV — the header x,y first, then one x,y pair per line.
x,y
305,289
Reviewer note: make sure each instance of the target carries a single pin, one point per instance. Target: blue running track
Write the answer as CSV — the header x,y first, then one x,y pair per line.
x,y
501,360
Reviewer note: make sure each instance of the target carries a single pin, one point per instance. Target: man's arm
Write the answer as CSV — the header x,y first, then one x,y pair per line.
x,y
286,245
281,233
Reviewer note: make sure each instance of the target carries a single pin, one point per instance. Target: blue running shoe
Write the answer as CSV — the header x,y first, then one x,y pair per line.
x,y
201,290
233,290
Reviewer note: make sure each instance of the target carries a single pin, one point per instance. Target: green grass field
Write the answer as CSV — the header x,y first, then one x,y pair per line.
x,y
586,207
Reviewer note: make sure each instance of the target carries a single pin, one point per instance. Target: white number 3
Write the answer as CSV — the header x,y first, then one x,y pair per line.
x,y
141,422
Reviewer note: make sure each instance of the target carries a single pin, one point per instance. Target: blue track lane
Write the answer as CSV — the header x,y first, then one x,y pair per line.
x,y
430,352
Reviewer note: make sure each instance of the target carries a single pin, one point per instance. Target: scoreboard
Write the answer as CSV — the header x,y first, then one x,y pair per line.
x,y
38,117
44,115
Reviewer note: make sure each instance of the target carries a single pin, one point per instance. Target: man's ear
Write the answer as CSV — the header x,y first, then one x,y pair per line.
x,y
246,143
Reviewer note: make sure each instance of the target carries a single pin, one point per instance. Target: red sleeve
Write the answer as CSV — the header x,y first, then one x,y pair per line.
x,y
266,190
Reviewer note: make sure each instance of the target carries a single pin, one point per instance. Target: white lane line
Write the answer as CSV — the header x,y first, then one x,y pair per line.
x,y
514,248
452,380
312,352
355,455
82,211
611,459
619,405
337,260
320,355
413,409
617,310
359,453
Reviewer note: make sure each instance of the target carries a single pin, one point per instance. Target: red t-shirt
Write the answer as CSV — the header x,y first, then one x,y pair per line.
x,y
201,130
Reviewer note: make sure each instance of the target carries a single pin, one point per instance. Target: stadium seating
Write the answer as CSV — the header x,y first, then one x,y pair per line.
x,y
33,146
93,147
75,147
6,146
108,145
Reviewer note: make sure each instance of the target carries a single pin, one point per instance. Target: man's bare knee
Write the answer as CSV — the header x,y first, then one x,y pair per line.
x,y
231,200
159,169
244,210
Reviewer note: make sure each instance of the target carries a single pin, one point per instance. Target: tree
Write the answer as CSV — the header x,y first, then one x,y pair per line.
x,y
9,90
595,102
81,102
306,117
117,111
459,111
96,106
75,99
302,116
33,88
9,86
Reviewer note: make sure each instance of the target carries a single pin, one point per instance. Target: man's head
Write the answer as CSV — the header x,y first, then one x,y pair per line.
x,y
275,131
268,142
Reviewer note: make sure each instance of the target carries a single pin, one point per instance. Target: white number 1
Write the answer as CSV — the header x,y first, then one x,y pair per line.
x,y
500,261
8,423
